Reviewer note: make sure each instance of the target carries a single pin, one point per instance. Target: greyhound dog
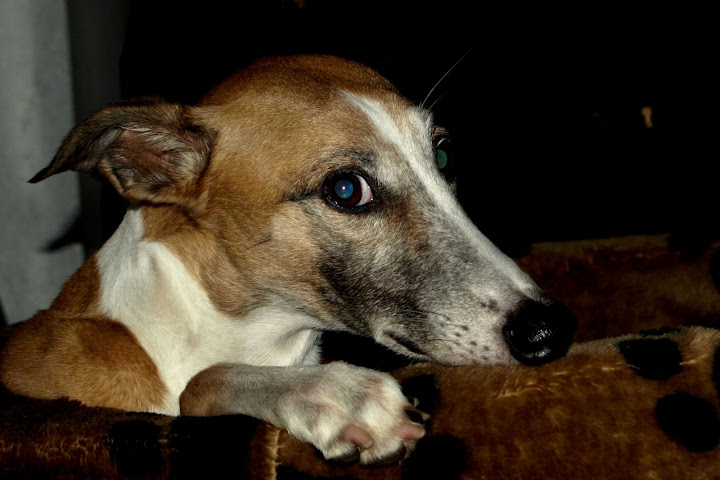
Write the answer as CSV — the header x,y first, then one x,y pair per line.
x,y
301,195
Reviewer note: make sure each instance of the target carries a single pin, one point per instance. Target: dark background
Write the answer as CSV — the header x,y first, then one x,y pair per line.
x,y
545,108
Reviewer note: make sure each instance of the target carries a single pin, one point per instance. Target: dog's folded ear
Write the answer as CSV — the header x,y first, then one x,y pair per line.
x,y
150,150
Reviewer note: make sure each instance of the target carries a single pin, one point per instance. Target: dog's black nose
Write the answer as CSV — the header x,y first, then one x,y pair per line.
x,y
538,333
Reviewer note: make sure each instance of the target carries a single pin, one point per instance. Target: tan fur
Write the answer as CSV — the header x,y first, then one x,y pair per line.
x,y
255,129
79,295
211,217
92,359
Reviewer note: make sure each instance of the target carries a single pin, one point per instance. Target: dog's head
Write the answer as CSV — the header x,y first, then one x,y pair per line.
x,y
309,184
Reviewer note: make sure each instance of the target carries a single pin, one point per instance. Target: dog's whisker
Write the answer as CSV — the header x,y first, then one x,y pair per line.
x,y
436,101
422,104
417,321
423,313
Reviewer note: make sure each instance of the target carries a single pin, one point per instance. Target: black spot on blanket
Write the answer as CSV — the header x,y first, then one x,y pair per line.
x,y
283,472
442,456
135,448
716,370
689,420
652,358
715,269
423,391
201,446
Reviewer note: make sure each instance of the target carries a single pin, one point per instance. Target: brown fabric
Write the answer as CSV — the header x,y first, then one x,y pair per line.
x,y
63,439
589,415
622,285
639,406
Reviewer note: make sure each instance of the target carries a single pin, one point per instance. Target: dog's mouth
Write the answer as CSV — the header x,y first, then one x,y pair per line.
x,y
405,343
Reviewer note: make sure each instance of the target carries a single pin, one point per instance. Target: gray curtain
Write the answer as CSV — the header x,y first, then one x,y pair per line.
x,y
36,111
58,62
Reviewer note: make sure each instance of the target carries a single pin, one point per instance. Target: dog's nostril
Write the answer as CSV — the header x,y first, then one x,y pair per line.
x,y
538,333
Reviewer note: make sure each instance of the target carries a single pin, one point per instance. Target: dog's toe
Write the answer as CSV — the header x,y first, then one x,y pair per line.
x,y
357,436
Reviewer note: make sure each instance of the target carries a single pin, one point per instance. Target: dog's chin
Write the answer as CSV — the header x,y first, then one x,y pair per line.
x,y
403,345
440,354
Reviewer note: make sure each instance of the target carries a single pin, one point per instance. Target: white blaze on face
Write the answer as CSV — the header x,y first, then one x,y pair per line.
x,y
409,130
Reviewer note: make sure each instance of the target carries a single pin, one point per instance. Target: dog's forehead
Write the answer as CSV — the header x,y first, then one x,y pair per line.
x,y
300,79
301,109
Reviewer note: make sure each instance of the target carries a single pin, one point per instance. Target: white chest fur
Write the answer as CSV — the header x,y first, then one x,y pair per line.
x,y
149,290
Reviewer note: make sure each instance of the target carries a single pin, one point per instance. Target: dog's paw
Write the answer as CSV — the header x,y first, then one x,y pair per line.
x,y
352,414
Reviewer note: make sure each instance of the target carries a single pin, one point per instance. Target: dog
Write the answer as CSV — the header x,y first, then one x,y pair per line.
x,y
303,194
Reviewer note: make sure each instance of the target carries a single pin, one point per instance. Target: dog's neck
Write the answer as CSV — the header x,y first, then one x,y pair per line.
x,y
144,285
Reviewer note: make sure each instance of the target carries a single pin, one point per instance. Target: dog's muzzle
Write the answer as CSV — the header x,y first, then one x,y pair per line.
x,y
538,333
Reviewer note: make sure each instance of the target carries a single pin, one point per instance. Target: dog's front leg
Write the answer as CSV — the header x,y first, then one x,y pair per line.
x,y
347,412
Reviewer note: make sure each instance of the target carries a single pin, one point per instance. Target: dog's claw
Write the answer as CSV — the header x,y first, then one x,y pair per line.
x,y
351,456
410,431
417,416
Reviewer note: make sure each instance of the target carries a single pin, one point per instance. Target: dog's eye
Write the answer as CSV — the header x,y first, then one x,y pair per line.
x,y
445,158
348,190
